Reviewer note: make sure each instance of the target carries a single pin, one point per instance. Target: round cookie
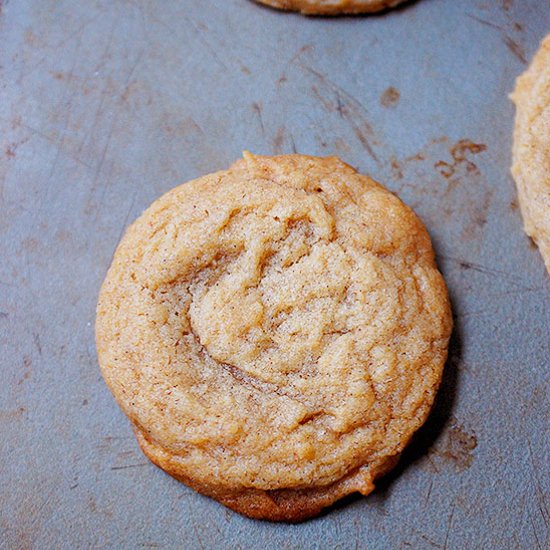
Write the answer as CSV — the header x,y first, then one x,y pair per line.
x,y
332,7
531,150
275,332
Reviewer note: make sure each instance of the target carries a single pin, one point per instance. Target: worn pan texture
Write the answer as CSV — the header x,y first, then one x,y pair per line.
x,y
104,105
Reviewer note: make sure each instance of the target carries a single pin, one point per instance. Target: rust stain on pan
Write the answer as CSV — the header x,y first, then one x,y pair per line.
x,y
390,97
459,152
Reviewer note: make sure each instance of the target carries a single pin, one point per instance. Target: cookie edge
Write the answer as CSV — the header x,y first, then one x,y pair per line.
x,y
304,7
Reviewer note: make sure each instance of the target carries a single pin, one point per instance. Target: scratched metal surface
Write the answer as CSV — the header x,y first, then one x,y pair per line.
x,y
106,104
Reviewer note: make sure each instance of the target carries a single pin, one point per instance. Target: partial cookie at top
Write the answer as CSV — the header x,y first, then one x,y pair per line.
x,y
531,150
275,332
332,7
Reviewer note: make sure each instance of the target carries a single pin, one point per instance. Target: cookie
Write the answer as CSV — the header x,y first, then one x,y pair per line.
x,y
332,7
275,332
531,150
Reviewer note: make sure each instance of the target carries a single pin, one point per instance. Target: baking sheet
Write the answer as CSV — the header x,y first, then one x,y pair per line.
x,y
106,104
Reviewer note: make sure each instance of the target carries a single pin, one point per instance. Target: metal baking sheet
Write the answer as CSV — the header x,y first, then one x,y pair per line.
x,y
106,104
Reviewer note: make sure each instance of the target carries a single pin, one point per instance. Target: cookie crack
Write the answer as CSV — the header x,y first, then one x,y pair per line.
x,y
263,387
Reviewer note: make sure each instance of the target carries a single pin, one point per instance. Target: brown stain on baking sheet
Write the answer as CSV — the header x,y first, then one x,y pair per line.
x,y
518,27
10,150
390,97
30,244
335,99
278,141
457,447
458,187
507,4
184,128
416,158
257,108
516,48
513,45
130,89
31,38
460,165
342,146
460,152
27,370
302,50
422,154
324,102
11,415
397,168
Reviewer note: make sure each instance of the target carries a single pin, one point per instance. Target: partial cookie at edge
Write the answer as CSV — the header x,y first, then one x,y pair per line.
x,y
531,149
332,7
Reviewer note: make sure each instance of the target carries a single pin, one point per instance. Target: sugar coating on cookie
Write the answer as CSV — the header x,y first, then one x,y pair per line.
x,y
275,332
332,7
531,150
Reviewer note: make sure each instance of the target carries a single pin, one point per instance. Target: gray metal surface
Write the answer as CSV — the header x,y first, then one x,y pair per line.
x,y
106,104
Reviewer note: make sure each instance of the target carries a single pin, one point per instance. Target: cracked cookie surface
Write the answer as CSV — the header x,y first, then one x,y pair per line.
x,y
531,150
275,332
332,7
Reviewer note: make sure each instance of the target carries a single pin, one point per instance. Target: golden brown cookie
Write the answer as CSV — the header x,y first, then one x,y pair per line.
x,y
332,7
276,333
531,151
